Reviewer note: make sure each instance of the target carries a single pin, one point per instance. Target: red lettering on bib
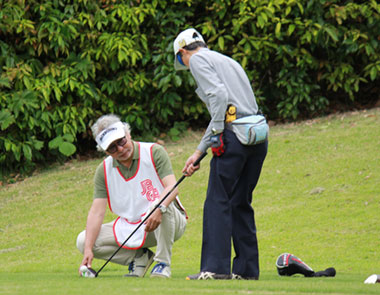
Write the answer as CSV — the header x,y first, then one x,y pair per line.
x,y
149,190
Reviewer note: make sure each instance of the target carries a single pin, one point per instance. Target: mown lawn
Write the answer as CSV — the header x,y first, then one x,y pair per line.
x,y
318,198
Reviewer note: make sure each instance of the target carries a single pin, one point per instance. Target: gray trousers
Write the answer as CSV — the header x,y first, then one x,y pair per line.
x,y
171,229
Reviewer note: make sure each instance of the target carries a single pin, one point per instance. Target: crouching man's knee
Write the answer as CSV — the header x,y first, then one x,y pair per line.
x,y
80,241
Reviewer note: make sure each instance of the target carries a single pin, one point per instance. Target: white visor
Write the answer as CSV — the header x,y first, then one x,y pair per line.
x,y
110,134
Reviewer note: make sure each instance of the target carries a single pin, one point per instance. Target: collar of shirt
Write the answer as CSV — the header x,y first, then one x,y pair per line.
x,y
136,156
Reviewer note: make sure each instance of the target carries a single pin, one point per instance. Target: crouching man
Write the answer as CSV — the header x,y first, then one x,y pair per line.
x,y
131,180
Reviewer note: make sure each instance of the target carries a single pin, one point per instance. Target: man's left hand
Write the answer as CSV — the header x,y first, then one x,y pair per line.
x,y
153,221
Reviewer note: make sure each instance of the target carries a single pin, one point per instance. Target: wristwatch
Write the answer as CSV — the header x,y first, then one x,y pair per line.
x,y
162,209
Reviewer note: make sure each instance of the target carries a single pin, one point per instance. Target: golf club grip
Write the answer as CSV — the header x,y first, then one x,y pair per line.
x,y
196,163
150,213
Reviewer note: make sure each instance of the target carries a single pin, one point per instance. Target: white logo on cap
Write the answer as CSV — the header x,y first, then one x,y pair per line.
x,y
105,132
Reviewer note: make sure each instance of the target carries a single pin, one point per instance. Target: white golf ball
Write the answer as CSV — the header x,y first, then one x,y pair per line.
x,y
87,272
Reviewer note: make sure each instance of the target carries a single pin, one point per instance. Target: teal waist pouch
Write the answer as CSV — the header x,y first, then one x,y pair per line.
x,y
251,130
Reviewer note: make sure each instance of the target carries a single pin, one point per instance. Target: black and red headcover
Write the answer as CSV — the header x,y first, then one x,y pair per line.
x,y
288,265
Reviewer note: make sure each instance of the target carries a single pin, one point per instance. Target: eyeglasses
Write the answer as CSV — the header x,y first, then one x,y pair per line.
x,y
113,147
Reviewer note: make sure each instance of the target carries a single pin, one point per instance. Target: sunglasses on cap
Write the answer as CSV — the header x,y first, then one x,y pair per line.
x,y
113,146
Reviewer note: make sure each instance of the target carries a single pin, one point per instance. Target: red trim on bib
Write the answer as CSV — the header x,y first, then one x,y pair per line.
x,y
125,247
137,170
154,164
105,180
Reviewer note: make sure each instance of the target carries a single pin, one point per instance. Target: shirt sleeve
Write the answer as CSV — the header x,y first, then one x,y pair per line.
x,y
100,190
214,93
162,161
213,88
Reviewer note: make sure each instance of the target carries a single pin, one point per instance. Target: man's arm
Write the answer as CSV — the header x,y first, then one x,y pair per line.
x,y
214,93
94,222
155,219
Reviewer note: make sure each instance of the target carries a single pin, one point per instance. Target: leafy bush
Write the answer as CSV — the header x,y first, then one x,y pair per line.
x,y
65,63
301,55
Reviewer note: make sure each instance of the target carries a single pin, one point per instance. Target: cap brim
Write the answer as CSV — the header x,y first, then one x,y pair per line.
x,y
178,66
110,134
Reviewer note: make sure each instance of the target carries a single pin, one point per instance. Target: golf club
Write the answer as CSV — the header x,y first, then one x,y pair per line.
x,y
87,272
150,213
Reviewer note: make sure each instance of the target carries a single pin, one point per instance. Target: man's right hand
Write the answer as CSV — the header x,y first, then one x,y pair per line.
x,y
88,256
189,169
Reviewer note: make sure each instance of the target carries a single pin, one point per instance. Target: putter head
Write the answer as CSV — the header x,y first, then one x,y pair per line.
x,y
87,272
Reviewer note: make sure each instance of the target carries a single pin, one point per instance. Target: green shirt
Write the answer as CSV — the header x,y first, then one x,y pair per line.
x,y
160,158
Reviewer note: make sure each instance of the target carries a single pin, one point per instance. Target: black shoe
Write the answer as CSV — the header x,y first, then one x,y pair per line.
x,y
239,277
206,275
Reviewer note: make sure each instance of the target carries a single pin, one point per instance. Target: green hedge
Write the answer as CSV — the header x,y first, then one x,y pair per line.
x,y
64,63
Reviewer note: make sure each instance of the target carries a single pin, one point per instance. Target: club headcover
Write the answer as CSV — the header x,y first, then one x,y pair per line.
x,y
288,265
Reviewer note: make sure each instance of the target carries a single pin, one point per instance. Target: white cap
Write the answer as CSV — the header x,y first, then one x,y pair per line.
x,y
183,39
110,134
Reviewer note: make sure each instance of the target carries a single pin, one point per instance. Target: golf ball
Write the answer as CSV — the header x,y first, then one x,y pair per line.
x,y
87,272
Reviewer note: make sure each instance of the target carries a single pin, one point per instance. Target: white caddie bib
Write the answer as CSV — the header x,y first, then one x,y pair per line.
x,y
131,198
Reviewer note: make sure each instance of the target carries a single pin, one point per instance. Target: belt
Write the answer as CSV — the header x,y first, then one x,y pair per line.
x,y
241,115
238,116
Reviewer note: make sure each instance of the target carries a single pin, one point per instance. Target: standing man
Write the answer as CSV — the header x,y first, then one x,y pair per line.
x,y
132,180
234,169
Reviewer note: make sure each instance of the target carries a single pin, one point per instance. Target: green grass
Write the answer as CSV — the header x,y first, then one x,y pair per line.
x,y
318,197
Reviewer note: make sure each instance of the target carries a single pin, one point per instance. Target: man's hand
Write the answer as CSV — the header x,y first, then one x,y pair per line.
x,y
153,221
189,169
88,256
217,144
94,223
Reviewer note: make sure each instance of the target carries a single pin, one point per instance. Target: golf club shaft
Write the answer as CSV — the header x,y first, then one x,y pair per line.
x,y
196,163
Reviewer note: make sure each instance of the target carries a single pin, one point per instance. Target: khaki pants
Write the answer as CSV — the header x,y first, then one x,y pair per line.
x,y
171,229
